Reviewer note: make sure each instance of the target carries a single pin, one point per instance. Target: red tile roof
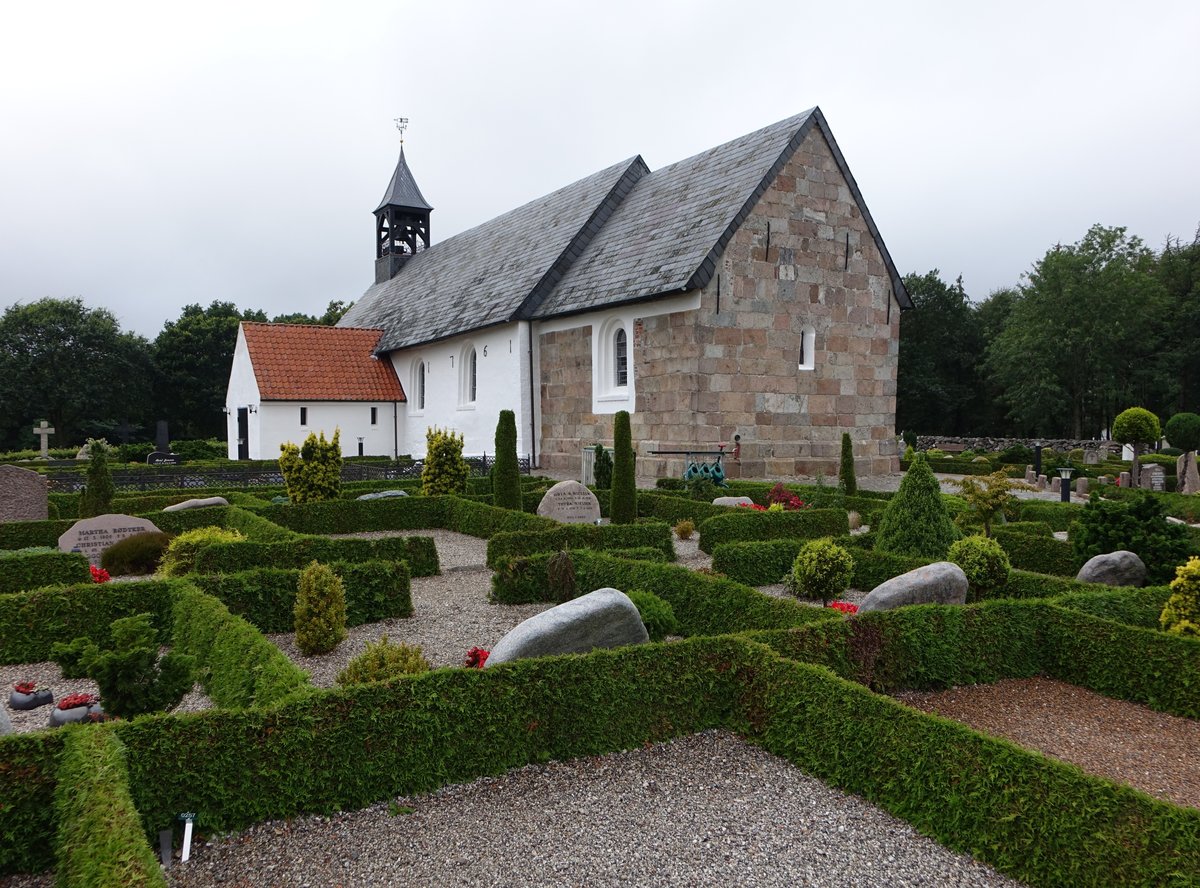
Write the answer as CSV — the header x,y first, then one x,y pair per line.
x,y
301,362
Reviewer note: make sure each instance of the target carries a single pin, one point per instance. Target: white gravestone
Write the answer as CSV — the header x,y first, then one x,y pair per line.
x,y
571,503
92,536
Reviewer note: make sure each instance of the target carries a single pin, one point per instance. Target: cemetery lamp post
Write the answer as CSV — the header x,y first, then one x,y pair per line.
x,y
1065,489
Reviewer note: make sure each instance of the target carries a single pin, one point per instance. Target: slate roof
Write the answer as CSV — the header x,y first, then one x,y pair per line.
x,y
622,235
402,191
305,362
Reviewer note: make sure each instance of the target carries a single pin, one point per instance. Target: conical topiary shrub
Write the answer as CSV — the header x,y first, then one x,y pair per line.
x,y
97,495
623,502
506,476
320,610
916,521
846,473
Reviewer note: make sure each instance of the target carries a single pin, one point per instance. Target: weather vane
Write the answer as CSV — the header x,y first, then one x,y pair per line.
x,y
402,125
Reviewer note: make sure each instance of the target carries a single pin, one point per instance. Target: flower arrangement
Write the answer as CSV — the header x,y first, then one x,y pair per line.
x,y
71,701
25,687
476,657
786,500
99,575
755,506
844,606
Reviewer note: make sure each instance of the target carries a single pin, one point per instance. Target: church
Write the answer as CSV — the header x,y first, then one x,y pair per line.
x,y
743,294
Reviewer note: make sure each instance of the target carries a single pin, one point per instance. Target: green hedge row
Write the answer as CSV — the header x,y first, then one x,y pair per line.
x,y
100,841
247,522
748,524
504,547
1038,553
673,509
240,667
24,534
30,622
419,552
704,604
21,571
1036,819
1059,516
1133,607
375,590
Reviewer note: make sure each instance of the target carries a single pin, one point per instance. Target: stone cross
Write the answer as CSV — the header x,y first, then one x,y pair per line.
x,y
44,431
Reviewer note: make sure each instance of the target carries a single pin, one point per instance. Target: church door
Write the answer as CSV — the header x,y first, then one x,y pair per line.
x,y
243,433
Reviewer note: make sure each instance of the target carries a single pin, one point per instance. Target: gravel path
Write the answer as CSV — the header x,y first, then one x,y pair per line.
x,y
709,809
1125,742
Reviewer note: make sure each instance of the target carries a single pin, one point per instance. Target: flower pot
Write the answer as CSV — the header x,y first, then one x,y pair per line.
x,y
40,697
60,717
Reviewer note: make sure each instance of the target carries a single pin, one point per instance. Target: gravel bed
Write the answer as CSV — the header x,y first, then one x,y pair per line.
x,y
48,675
709,809
1125,742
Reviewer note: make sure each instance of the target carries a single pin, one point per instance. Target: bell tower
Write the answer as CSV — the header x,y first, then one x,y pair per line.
x,y
401,219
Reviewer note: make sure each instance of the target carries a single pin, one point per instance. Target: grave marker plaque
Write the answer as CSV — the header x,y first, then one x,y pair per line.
x,y
571,503
159,458
92,536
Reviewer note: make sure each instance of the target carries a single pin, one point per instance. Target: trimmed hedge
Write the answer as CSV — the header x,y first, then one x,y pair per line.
x,y
24,534
420,553
28,818
241,668
1059,516
704,604
503,547
100,839
671,508
375,590
749,524
30,622
1042,821
21,571
756,563
1133,607
1039,554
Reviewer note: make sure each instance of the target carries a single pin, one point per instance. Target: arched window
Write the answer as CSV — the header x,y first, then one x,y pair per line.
x,y
468,378
620,359
474,378
421,386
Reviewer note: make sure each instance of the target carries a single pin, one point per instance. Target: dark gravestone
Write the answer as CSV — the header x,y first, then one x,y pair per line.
x,y
158,458
162,440
23,495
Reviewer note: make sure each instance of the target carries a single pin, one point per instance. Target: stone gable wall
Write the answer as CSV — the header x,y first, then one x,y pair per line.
x,y
704,376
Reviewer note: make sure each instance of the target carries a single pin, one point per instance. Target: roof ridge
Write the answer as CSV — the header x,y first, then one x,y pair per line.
x,y
312,326
634,172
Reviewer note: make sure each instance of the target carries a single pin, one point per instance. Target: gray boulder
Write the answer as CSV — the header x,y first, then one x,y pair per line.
x,y
1120,568
733,501
198,504
382,494
940,583
605,618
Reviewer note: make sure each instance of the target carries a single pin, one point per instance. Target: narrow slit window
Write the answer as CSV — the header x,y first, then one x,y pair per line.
x,y
303,416
620,358
472,379
421,386
374,416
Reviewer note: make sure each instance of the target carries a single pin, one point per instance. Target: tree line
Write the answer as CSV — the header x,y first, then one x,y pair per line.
x,y
76,368
1093,328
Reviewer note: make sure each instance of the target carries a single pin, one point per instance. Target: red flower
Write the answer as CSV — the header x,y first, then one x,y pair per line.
x,y
476,657
844,606
73,700
755,506
99,575
25,687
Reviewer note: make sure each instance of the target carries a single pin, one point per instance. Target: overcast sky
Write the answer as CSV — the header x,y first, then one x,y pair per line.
x,y
157,154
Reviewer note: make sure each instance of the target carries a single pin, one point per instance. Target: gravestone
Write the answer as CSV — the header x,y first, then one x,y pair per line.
x,y
1041,482
1152,477
92,536
1091,457
733,501
1189,480
162,440
159,458
44,431
1030,475
571,503
1056,484
941,583
605,618
1081,487
23,495
1125,479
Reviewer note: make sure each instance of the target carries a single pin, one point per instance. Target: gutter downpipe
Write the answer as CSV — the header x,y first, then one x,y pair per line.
x,y
395,430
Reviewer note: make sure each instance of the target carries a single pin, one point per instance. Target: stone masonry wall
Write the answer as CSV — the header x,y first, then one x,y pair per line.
x,y
804,257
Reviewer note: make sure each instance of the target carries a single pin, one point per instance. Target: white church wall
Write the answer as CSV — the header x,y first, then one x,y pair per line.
x,y
501,383
283,421
242,392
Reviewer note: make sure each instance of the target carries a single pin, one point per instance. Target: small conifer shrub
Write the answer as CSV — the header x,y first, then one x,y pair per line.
x,y
445,470
320,610
602,468
821,572
506,477
915,521
180,557
846,471
1181,613
382,661
137,555
985,564
132,677
97,495
312,473
623,504
657,614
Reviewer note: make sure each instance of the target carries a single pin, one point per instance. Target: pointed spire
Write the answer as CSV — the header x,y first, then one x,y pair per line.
x,y
402,191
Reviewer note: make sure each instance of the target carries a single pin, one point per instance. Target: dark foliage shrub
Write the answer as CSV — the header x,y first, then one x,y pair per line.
x,y
657,615
506,476
97,495
137,555
602,468
624,485
1016,455
916,521
846,478
1137,525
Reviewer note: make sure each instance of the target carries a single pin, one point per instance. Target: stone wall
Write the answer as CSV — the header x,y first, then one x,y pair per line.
x,y
802,259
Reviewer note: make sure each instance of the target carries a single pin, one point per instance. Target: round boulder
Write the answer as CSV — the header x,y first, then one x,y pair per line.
x,y
1120,568
940,583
